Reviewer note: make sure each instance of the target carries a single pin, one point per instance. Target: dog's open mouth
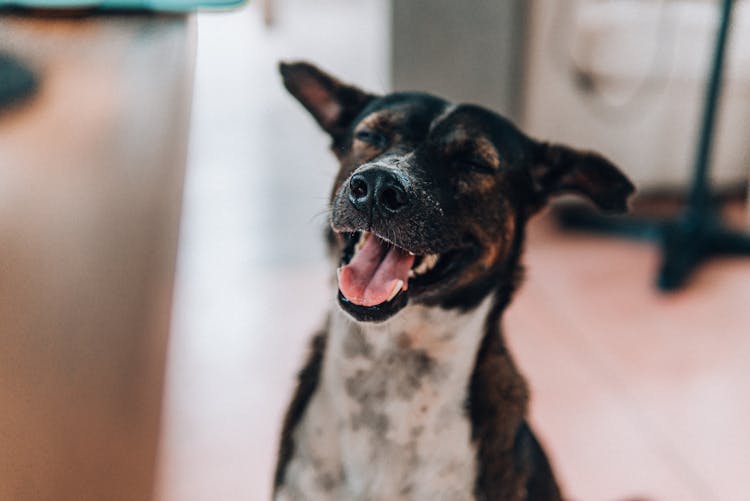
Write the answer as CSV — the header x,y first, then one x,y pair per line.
x,y
376,275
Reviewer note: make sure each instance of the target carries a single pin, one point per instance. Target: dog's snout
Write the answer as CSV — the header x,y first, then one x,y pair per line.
x,y
377,189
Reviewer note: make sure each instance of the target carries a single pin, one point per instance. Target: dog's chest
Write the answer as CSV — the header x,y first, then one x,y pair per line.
x,y
388,421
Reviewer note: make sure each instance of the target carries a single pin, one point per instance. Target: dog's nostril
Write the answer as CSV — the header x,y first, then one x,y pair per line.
x,y
359,192
358,187
393,198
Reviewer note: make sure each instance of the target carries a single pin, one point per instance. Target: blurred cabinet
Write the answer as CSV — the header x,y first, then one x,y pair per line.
x,y
91,170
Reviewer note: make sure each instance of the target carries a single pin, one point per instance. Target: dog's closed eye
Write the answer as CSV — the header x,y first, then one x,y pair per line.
x,y
474,165
372,138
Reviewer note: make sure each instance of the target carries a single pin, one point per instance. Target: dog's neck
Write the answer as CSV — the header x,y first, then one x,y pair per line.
x,y
421,358
444,337
395,391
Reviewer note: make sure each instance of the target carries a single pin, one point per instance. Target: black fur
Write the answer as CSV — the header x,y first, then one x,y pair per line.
x,y
307,383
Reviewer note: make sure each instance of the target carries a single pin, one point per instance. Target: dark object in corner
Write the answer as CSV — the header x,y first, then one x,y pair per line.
x,y
698,234
17,82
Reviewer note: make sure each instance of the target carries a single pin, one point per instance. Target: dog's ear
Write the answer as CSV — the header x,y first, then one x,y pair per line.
x,y
558,169
333,104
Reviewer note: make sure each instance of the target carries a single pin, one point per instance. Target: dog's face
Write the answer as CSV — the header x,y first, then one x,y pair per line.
x,y
431,197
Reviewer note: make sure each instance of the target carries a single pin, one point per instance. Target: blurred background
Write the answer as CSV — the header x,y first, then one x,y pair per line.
x,y
636,393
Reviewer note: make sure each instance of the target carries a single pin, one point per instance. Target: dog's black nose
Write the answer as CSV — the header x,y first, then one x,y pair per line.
x,y
377,189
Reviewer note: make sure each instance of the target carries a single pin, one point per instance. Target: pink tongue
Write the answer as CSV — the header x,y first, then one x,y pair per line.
x,y
369,279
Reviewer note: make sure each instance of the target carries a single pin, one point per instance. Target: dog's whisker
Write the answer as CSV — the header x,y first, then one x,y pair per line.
x,y
319,214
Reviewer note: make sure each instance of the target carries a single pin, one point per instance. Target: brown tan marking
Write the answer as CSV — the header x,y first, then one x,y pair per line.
x,y
484,148
382,121
471,145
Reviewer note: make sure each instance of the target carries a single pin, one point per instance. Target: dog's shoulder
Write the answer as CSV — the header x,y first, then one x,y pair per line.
x,y
511,463
307,382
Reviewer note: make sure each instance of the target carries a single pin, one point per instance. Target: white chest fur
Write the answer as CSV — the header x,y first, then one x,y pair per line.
x,y
388,419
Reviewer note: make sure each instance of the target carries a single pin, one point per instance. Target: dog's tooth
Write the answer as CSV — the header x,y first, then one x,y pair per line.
x,y
431,260
422,268
396,288
338,273
411,274
428,262
411,253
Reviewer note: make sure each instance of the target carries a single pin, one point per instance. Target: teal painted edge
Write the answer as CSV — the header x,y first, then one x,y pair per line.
x,y
155,5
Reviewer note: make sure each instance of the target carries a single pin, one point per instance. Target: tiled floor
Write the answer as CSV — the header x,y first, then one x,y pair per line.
x,y
634,393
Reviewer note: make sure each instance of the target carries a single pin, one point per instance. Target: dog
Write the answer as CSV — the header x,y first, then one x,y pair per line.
x,y
409,392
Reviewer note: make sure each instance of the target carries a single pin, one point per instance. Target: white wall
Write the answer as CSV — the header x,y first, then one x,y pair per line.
x,y
648,59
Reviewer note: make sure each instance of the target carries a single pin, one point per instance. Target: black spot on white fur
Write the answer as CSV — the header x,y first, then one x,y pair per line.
x,y
356,345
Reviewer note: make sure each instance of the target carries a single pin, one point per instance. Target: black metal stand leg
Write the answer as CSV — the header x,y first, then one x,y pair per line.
x,y
731,243
698,234
683,248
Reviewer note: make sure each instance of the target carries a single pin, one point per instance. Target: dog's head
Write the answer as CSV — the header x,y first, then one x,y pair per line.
x,y
431,198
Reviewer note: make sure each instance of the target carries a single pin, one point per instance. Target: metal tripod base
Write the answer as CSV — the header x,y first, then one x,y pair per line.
x,y
698,234
686,241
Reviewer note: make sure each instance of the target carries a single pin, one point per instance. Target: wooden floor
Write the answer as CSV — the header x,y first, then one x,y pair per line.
x,y
635,394
91,170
